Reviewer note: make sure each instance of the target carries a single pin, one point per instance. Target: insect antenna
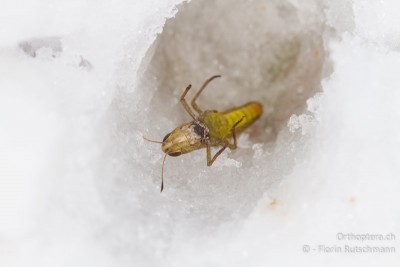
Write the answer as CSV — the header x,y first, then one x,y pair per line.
x,y
158,142
162,172
163,162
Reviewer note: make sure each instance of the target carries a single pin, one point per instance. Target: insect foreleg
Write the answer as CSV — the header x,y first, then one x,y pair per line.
x,y
185,104
193,103
210,160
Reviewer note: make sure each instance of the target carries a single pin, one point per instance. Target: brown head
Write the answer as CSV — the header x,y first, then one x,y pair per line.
x,y
184,139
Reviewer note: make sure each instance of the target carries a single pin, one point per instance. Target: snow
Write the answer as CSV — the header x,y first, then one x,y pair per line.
x,y
81,82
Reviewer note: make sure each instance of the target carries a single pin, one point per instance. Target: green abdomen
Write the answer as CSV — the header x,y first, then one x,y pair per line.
x,y
220,124
249,112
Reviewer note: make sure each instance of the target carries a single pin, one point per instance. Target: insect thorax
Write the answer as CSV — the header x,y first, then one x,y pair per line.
x,y
201,130
217,125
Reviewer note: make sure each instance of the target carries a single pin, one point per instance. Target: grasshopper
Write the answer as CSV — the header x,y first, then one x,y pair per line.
x,y
208,128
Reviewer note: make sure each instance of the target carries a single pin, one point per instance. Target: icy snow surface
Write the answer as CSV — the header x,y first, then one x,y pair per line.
x,y
82,81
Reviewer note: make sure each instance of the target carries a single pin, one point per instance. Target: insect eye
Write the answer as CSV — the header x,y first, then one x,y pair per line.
x,y
165,138
174,154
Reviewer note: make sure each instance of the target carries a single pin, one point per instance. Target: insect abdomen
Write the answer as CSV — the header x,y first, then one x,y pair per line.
x,y
249,112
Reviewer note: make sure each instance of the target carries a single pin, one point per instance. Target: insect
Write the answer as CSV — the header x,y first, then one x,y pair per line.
x,y
208,128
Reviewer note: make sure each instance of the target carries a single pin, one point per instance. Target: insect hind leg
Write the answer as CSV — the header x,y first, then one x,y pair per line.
x,y
234,145
193,103
225,144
